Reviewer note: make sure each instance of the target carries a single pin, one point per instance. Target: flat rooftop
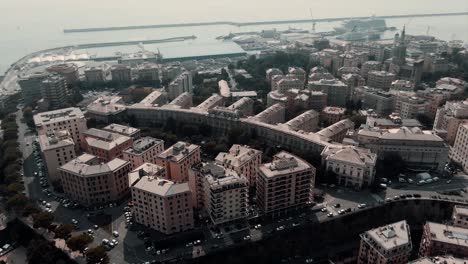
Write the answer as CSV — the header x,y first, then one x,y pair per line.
x,y
86,165
148,178
390,236
178,151
142,144
55,140
237,155
57,116
284,163
448,234
121,129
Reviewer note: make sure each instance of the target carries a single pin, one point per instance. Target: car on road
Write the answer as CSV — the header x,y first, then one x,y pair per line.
x,y
324,210
448,181
410,181
337,205
115,233
330,214
279,228
347,210
105,241
341,211
48,205
95,226
360,206
296,224
74,221
115,242
246,238
258,226
90,231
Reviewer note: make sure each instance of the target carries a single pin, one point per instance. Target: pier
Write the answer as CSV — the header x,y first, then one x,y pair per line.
x,y
241,24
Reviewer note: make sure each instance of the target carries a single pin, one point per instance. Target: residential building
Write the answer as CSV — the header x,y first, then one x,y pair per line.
x,y
380,79
460,216
68,70
459,151
370,66
91,183
318,100
134,133
121,73
54,90
331,115
353,80
95,74
439,260
106,109
419,149
337,91
353,166
299,73
448,118
442,239
244,160
225,194
31,86
183,100
307,121
379,101
411,107
390,244
402,85
57,148
272,115
393,121
144,150
182,84
171,72
337,131
148,72
272,72
160,204
104,144
285,183
286,82
178,159
70,119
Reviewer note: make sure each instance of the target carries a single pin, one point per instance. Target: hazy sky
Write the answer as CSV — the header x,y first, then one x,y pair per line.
x,y
66,13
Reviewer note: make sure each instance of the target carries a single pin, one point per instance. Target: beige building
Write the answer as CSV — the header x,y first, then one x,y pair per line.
x,y
224,192
283,184
419,149
442,239
460,216
95,75
337,131
104,144
160,204
272,115
106,109
178,159
90,182
411,107
57,148
307,121
144,150
330,115
68,70
390,244
448,119
459,151
242,159
353,166
148,72
70,119
337,92
121,73
380,79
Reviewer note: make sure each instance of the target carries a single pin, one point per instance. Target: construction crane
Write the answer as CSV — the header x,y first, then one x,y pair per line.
x,y
313,20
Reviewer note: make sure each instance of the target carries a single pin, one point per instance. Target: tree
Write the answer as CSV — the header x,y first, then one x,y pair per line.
x,y
30,209
64,231
80,242
18,201
43,219
97,255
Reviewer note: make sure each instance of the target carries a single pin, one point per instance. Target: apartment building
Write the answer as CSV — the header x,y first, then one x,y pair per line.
x,y
68,70
411,107
370,66
299,73
402,85
283,184
307,121
390,244
381,102
244,160
54,90
160,204
337,91
441,239
439,260
178,159
31,86
57,148
353,166
134,133
89,182
148,72
272,72
448,119
95,75
331,115
419,149
460,216
104,144
121,73
70,119
337,131
182,84
272,115
459,151
380,79
106,109
144,150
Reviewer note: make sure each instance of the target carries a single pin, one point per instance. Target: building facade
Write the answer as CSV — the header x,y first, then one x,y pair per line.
x,y
178,159
442,239
57,148
104,144
459,151
144,150
54,90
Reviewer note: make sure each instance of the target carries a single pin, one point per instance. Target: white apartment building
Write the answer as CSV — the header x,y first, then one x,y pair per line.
x,y
57,148
160,204
144,150
459,151
354,166
460,216
411,107
242,159
70,119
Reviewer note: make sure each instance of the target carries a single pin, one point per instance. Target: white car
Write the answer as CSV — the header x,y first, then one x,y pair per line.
x,y
361,205
115,233
115,242
258,226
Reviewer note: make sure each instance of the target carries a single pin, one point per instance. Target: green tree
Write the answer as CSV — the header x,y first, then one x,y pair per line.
x,y
80,242
43,219
97,255
18,201
64,231
30,209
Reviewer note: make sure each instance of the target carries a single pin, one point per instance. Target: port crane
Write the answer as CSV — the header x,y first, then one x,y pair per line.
x,y
313,20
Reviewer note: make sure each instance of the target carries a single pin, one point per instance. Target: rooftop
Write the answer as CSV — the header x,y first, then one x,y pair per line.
x,y
104,139
237,155
284,163
350,154
448,234
211,102
336,128
151,98
334,110
143,144
106,105
460,210
220,178
87,165
439,260
388,237
57,116
178,151
121,129
55,139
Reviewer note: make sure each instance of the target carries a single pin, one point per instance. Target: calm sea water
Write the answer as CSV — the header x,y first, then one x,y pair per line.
x,y
31,25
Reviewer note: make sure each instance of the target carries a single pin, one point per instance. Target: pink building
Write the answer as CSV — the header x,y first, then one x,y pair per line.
x,y
442,239
160,204
178,159
90,182
330,115
144,150
105,145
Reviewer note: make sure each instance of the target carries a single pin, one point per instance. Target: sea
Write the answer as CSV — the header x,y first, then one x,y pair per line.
x,y
27,26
